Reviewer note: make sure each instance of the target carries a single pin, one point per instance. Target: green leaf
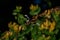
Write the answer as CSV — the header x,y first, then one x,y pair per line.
x,y
21,19
32,13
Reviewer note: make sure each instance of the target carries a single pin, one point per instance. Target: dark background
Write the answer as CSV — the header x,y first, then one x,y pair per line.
x,y
7,6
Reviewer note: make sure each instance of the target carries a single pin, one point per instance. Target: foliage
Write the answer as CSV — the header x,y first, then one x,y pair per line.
x,y
44,28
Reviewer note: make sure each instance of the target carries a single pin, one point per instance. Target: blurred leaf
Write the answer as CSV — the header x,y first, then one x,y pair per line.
x,y
21,19
35,12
